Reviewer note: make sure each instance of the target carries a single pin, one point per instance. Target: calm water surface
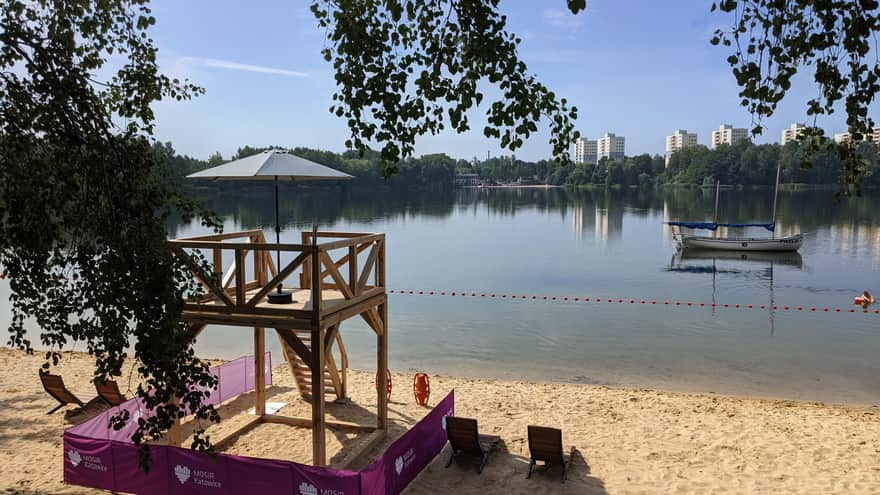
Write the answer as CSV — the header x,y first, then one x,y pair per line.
x,y
609,245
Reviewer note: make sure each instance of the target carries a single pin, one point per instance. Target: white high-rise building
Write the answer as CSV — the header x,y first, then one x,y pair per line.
x,y
611,146
678,140
585,151
872,137
792,133
727,134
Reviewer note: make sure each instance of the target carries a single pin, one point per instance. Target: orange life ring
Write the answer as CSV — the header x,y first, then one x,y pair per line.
x,y
387,383
421,389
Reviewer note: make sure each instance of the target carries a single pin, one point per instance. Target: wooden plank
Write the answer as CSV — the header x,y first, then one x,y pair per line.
x,y
223,236
361,248
319,439
381,271
245,320
368,266
369,315
301,314
195,329
370,299
291,358
260,371
342,235
277,279
329,337
344,365
240,245
306,355
230,274
203,277
307,423
229,437
240,282
333,374
329,246
358,455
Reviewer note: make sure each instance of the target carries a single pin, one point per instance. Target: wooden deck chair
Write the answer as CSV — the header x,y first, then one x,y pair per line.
x,y
545,444
54,386
465,440
109,392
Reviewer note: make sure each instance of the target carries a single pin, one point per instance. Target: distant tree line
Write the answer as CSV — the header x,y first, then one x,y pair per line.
x,y
435,172
742,164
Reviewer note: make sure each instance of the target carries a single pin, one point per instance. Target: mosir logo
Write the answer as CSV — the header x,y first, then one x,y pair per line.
x,y
74,457
404,461
309,489
199,476
88,461
182,473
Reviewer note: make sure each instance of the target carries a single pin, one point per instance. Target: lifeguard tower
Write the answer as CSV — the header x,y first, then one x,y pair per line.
x,y
336,281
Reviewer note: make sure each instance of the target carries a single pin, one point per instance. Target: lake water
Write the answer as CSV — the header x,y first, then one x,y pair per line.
x,y
600,244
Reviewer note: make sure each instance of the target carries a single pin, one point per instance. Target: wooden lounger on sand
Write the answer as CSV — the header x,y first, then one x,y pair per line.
x,y
465,440
109,392
54,386
545,444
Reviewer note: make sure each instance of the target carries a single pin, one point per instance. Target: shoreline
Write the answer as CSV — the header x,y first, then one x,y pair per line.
x,y
625,439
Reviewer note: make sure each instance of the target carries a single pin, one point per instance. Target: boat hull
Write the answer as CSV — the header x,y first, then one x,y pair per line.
x,y
779,244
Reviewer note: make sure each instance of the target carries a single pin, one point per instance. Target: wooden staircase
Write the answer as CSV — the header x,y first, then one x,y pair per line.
x,y
334,376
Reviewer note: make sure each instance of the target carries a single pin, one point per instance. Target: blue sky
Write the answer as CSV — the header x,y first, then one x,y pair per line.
x,y
633,67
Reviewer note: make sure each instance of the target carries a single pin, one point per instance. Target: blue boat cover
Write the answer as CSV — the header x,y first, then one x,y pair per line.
x,y
713,226
695,225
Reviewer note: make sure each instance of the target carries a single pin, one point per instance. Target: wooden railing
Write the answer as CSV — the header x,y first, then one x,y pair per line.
x,y
238,271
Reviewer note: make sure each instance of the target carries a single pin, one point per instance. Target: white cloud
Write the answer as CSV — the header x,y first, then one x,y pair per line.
x,y
562,19
229,65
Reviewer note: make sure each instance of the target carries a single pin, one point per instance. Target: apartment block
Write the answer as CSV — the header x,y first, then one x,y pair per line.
x,y
792,133
585,151
611,146
727,134
872,137
678,140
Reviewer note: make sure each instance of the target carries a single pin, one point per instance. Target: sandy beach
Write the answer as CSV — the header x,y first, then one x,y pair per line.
x,y
626,441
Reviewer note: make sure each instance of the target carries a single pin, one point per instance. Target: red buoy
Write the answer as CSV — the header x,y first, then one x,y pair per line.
x,y
421,389
387,383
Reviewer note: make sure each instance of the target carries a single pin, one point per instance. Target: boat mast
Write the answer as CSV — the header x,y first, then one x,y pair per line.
x,y
717,193
775,197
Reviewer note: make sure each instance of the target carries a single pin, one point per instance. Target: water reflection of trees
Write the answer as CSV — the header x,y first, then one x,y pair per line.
x,y
850,223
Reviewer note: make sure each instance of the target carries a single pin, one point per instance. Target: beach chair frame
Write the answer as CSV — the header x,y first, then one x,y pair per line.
x,y
545,444
464,438
109,393
54,386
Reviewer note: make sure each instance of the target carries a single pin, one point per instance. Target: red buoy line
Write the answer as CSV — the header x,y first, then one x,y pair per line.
x,y
632,301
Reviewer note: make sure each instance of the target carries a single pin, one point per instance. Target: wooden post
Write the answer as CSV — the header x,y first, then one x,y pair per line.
x,y
382,366
319,445
218,264
260,371
240,279
353,270
174,434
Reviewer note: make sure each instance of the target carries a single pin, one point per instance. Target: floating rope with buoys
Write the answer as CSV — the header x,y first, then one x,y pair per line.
x,y
630,301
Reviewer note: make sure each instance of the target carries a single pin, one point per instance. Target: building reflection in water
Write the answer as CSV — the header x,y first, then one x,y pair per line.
x,y
606,224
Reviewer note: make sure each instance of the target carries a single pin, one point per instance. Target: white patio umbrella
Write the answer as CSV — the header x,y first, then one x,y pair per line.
x,y
272,165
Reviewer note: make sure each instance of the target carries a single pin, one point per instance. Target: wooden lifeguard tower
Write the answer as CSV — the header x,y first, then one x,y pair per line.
x,y
328,292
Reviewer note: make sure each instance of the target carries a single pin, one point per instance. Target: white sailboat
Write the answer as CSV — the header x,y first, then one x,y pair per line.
x,y
772,243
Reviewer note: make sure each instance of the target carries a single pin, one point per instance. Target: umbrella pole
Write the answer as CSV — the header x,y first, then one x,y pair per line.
x,y
279,297
277,232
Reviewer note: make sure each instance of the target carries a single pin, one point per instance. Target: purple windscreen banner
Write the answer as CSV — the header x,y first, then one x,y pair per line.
x,y
234,381
407,456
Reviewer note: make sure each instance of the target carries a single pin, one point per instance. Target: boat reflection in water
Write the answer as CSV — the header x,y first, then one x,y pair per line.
x,y
692,261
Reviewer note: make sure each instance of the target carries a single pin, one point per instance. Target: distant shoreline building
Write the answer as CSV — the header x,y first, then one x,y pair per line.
x,y
727,134
585,151
872,137
792,133
678,140
611,146
467,180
